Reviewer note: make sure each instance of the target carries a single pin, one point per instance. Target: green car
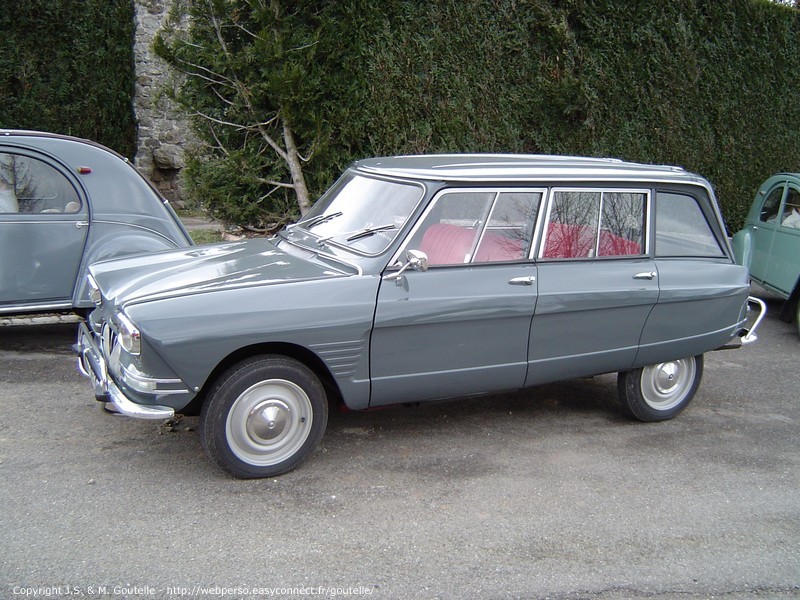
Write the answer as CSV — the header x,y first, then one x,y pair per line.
x,y
769,242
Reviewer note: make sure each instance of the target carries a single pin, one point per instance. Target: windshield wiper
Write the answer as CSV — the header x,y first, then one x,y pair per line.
x,y
313,222
369,231
355,235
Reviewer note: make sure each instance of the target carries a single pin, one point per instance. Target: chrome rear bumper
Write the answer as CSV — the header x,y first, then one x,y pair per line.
x,y
92,364
750,334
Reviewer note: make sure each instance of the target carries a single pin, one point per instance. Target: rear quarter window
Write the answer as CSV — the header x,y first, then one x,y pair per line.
x,y
682,228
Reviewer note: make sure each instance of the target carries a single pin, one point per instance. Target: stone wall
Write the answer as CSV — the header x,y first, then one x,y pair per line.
x,y
163,129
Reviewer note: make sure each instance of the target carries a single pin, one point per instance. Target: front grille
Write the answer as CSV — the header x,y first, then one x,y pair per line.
x,y
108,340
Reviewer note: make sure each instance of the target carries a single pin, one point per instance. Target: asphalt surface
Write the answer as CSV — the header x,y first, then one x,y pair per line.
x,y
546,493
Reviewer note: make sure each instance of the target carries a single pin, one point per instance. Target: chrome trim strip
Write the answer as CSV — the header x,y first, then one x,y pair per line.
x,y
36,307
140,383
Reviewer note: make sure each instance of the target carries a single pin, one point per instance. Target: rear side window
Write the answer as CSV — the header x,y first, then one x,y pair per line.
x,y
595,223
682,228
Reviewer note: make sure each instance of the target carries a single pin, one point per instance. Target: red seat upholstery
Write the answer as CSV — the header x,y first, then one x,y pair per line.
x,y
577,241
447,244
496,247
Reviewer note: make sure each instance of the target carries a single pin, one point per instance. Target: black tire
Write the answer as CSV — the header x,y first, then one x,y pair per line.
x,y
797,316
263,417
659,392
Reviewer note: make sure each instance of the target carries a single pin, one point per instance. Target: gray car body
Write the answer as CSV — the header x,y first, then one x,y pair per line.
x,y
376,338
44,256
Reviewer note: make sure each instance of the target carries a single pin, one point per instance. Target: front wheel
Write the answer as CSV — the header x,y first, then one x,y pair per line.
x,y
659,392
263,417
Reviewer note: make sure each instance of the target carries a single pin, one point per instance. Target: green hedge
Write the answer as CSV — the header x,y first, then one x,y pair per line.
x,y
708,85
66,66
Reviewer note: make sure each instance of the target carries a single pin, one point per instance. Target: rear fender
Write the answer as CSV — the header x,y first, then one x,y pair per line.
x,y
742,243
114,247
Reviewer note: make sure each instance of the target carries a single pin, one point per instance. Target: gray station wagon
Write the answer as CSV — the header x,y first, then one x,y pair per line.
x,y
65,203
422,278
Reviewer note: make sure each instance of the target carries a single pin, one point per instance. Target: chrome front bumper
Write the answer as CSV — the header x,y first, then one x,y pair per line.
x,y
92,364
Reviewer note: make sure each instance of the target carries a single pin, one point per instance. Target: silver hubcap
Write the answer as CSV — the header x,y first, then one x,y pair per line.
x,y
269,422
666,385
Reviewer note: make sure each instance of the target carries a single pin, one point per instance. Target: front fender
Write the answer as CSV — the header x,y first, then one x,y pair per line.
x,y
330,318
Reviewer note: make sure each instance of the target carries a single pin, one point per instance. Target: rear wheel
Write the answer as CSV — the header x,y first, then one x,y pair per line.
x,y
263,417
659,392
797,316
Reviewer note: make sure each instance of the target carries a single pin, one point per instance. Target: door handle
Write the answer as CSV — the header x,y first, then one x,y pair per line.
x,y
522,280
646,275
81,224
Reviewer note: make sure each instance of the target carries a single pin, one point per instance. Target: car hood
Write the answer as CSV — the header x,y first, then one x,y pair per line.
x,y
205,269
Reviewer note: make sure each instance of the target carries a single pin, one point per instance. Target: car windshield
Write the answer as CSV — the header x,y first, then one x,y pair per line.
x,y
362,213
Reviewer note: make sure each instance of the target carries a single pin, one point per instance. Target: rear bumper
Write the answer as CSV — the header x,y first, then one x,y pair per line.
x,y
92,364
750,334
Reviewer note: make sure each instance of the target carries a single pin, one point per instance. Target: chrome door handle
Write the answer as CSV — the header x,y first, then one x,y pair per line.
x,y
522,280
646,275
81,224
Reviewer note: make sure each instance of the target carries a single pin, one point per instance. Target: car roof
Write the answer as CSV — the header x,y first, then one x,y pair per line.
x,y
24,133
522,168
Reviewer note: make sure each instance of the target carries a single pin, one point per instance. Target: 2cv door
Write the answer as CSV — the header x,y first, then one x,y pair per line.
x,y
43,228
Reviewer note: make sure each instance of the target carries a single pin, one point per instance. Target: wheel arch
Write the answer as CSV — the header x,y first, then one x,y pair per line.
x,y
299,353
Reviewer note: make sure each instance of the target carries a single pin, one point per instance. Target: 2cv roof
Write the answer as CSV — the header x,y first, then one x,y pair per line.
x,y
523,168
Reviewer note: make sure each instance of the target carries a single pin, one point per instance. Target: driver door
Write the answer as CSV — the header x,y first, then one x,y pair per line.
x,y
43,229
461,327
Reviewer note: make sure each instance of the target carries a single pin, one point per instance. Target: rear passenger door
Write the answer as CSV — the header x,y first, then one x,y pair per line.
x,y
702,291
461,327
597,283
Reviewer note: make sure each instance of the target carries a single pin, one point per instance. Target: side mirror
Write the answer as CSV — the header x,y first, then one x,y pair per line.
x,y
415,259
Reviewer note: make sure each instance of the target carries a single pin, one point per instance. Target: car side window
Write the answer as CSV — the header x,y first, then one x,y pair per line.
x,y
595,223
771,206
791,209
478,227
29,185
682,228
